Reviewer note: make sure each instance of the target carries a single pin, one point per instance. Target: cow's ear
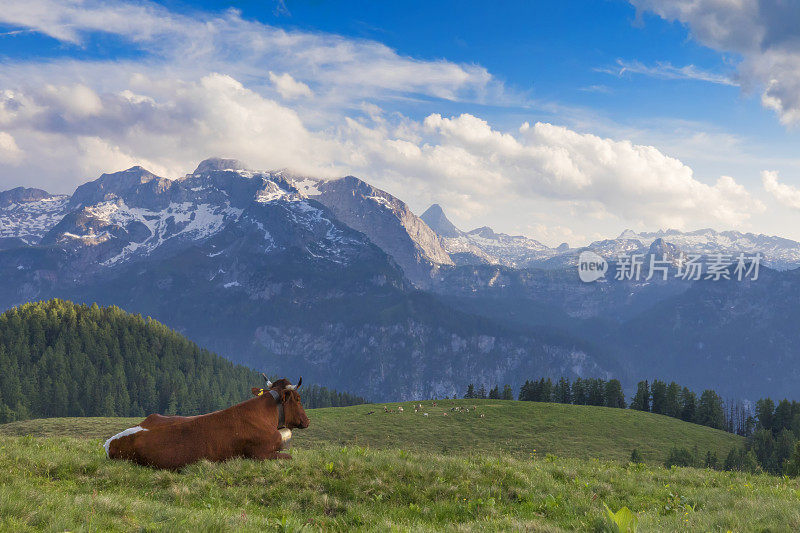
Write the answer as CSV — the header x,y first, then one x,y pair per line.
x,y
256,391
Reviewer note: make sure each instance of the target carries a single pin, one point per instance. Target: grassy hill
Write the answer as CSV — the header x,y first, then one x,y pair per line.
x,y
513,428
398,471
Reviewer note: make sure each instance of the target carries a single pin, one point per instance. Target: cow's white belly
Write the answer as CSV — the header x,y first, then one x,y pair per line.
x,y
129,431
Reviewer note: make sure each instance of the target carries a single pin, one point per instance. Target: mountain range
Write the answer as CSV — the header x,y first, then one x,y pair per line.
x,y
341,281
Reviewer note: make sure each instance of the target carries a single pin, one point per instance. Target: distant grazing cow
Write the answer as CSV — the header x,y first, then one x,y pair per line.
x,y
249,429
399,408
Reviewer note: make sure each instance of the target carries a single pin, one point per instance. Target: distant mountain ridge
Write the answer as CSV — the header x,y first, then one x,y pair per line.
x,y
342,282
307,276
485,246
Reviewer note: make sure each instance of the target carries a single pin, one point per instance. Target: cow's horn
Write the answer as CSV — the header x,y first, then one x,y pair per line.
x,y
295,387
269,383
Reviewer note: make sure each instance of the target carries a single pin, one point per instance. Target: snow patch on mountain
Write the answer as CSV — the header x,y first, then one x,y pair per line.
x,y
29,221
184,220
483,245
778,252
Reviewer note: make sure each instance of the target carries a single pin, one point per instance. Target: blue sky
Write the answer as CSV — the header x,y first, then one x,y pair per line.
x,y
560,120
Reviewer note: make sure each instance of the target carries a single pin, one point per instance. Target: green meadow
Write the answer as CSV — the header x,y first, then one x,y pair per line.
x,y
400,471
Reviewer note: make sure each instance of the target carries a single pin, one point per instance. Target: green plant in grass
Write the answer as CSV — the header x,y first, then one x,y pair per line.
x,y
623,521
636,457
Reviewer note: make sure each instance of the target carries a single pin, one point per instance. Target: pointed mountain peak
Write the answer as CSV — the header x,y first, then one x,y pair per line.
x,y
435,218
563,247
629,234
486,232
124,184
217,163
665,250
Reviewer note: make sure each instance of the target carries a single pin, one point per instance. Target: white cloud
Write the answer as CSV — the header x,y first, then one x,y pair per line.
x,y
784,194
226,43
288,87
627,180
200,90
9,151
762,32
668,71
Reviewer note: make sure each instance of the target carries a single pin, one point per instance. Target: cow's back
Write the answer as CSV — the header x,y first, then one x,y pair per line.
x,y
156,420
174,442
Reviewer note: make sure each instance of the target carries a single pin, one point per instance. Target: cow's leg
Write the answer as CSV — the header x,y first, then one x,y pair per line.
x,y
266,450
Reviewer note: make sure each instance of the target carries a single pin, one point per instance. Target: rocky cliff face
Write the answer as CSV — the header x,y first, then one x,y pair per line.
x,y
388,222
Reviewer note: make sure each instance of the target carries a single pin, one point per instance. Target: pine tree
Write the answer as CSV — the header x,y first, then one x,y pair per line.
x,y
672,404
562,393
470,391
784,446
482,392
596,392
658,393
765,413
508,392
762,444
688,405
614,397
782,419
494,393
526,392
579,393
710,411
641,401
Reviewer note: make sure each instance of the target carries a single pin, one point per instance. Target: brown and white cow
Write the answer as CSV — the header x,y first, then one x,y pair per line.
x,y
249,429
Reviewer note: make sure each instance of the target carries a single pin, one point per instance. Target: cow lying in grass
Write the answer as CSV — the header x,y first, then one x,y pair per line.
x,y
248,429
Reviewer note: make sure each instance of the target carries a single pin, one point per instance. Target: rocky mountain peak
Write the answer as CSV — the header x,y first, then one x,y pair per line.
x,y
666,251
387,221
19,195
629,234
133,183
218,164
486,232
435,218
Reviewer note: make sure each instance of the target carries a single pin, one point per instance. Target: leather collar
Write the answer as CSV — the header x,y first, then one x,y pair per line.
x,y
281,418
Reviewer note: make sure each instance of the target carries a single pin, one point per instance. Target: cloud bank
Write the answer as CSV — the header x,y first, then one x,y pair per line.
x,y
206,84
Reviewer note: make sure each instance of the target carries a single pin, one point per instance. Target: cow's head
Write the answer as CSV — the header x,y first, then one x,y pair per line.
x,y
293,412
295,415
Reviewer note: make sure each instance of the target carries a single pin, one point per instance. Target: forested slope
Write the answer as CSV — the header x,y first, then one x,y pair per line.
x,y
62,359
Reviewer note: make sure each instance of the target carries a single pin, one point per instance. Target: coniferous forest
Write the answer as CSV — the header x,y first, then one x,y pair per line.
x,y
58,358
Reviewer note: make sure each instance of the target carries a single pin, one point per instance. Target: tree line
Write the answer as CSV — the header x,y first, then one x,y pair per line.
x,y
708,409
61,359
772,445
772,430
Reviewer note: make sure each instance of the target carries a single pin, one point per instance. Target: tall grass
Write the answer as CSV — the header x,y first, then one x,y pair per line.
x,y
61,484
